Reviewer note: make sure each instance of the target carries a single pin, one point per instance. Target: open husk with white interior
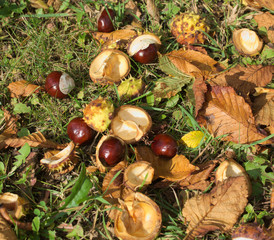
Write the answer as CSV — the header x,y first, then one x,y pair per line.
x,y
140,218
130,123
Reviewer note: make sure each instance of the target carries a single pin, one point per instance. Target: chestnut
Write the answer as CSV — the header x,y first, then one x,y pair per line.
x,y
105,23
112,151
79,132
164,145
147,55
59,84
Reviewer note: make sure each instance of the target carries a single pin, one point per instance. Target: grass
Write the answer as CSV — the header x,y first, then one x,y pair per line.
x,y
34,42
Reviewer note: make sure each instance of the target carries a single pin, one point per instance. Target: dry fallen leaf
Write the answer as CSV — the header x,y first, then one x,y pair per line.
x,y
261,3
6,232
197,180
266,20
263,108
34,140
226,113
174,169
153,11
38,4
10,129
217,210
117,39
199,89
22,88
245,79
113,190
194,63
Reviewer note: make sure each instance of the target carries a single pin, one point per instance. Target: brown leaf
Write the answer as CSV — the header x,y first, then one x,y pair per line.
x,y
132,9
173,169
153,11
6,232
224,112
245,79
199,90
217,210
197,180
113,190
261,3
263,108
10,127
34,140
117,39
194,63
22,88
266,20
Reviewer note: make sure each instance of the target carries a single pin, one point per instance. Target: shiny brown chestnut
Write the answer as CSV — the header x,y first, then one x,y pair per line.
x,y
105,21
59,84
79,132
112,151
164,145
147,55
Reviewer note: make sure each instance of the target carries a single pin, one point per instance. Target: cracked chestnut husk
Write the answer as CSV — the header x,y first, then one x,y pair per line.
x,y
109,67
247,42
110,150
144,48
130,123
139,219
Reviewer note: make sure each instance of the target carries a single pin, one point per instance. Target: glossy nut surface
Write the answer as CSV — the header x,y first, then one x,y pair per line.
x,y
147,55
104,22
52,85
79,132
111,151
164,145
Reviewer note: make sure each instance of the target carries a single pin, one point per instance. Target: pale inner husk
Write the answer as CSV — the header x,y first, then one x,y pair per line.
x,y
142,42
66,83
139,220
131,123
250,40
139,173
59,157
110,65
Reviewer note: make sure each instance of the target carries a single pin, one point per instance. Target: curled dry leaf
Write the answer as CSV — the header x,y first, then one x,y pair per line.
x,y
263,106
199,89
226,113
6,233
260,3
174,169
197,180
117,39
112,187
194,63
217,210
245,79
266,20
34,140
10,129
153,11
23,88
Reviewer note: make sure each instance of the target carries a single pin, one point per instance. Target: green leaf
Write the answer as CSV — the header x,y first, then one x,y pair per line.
x,y
2,167
64,6
79,192
77,231
169,86
172,101
23,132
52,235
21,108
36,224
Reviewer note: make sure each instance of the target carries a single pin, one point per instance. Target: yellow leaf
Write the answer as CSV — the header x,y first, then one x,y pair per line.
x,y
193,139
